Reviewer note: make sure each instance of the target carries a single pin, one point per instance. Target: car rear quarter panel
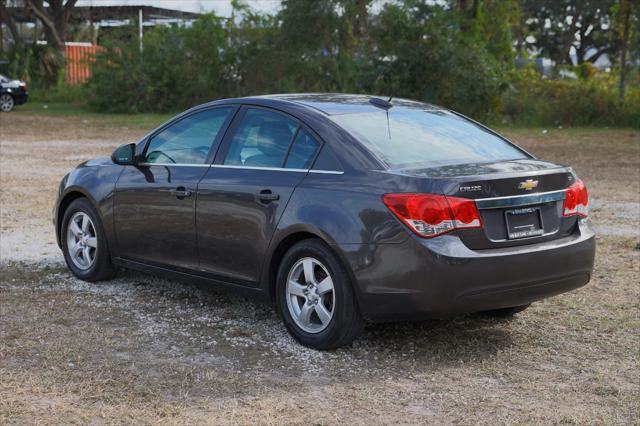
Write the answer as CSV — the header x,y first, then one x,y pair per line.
x,y
348,208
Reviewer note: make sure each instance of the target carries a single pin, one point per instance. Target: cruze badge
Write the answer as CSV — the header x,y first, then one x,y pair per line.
x,y
528,184
470,188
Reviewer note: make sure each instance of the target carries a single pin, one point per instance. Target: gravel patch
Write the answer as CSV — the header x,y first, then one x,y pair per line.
x,y
149,350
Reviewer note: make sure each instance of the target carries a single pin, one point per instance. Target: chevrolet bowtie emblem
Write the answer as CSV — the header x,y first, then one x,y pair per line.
x,y
528,184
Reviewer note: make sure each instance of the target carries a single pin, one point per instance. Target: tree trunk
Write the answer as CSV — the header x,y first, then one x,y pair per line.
x,y
7,17
623,49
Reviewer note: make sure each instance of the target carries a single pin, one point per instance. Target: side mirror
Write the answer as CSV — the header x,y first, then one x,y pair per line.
x,y
125,155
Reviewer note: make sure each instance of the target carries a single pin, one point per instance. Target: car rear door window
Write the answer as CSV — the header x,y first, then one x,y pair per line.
x,y
189,140
303,151
262,139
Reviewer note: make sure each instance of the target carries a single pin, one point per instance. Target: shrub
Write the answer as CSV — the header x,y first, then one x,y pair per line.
x,y
179,67
592,101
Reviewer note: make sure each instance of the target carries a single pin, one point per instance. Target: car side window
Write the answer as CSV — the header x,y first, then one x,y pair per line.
x,y
327,160
261,140
189,140
303,151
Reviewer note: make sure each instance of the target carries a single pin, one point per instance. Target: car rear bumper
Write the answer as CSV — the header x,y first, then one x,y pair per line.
x,y
441,277
20,98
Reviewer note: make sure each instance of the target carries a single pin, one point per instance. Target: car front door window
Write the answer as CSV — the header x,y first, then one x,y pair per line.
x,y
189,140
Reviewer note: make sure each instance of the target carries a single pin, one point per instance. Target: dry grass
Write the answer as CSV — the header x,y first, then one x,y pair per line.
x,y
146,350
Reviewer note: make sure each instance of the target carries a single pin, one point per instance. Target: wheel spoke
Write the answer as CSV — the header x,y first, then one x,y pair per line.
x,y
92,242
325,286
296,289
75,229
305,314
75,250
86,254
309,277
323,313
85,223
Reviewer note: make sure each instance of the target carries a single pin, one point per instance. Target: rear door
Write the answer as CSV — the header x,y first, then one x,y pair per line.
x,y
264,156
154,202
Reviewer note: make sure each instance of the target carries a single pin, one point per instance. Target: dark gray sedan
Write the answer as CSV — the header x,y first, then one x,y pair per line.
x,y
340,209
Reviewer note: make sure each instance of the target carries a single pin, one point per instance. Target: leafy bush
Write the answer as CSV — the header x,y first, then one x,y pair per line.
x,y
33,63
535,101
179,67
410,48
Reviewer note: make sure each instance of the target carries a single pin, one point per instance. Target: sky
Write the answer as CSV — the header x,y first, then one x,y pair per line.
x,y
220,7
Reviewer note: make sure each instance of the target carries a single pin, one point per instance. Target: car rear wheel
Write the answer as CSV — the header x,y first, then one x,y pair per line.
x,y
6,102
315,297
506,312
84,244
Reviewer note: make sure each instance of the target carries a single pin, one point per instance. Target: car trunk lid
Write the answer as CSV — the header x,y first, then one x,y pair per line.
x,y
520,201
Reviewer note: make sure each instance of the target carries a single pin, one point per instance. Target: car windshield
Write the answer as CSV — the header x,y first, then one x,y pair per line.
x,y
410,138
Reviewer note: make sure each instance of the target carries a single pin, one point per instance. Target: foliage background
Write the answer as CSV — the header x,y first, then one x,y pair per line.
x,y
470,56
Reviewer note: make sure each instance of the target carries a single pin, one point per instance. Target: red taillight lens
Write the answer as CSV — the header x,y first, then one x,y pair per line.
x,y
430,215
576,200
23,86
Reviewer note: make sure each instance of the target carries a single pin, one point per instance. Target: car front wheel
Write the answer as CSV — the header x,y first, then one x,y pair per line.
x,y
6,102
315,297
84,244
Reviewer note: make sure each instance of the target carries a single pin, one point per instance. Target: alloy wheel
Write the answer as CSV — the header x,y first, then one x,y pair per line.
x,y
310,295
6,102
82,240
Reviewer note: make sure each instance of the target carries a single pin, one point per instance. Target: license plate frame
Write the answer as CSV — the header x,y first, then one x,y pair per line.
x,y
523,222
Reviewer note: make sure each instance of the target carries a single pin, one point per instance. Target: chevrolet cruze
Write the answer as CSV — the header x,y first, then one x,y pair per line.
x,y
339,209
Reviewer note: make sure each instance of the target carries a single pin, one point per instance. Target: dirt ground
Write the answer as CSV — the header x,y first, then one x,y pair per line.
x,y
147,350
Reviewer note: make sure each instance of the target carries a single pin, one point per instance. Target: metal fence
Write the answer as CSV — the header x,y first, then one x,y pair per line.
x,y
79,57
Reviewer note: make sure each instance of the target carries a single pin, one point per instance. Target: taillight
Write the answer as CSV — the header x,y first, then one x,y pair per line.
x,y
23,86
430,215
576,200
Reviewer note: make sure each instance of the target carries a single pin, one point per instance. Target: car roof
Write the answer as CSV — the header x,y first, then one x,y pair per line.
x,y
338,103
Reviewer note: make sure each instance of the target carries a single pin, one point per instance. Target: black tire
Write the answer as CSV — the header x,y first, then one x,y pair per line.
x,y
506,312
346,323
101,268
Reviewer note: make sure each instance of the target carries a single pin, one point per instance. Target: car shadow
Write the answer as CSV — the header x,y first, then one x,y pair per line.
x,y
385,346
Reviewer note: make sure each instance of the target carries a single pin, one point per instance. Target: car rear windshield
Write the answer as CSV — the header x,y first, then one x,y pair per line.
x,y
410,138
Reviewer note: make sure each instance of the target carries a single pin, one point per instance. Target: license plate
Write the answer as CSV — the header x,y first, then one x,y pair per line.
x,y
524,222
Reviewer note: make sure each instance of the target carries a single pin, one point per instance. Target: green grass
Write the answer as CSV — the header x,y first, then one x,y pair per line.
x,y
39,106
147,120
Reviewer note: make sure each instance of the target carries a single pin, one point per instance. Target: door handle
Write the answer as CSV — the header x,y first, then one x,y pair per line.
x,y
181,192
266,196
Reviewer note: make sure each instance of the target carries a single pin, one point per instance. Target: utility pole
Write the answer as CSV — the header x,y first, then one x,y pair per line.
x,y
140,28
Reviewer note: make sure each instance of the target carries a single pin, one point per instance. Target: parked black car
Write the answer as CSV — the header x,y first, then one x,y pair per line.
x,y
341,209
12,93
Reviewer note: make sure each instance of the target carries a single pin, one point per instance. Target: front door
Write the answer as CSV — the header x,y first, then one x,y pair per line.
x,y
243,195
154,202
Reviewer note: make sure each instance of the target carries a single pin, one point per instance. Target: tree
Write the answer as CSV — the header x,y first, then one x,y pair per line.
x,y
422,54
324,43
54,18
6,16
561,26
623,29
55,21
